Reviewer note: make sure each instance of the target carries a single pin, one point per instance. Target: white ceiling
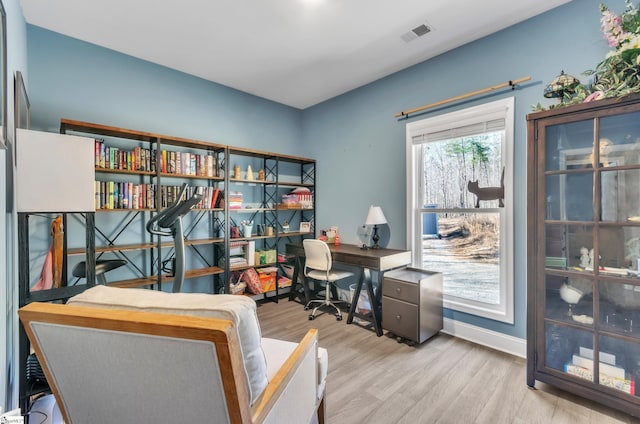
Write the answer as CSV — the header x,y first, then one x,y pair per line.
x,y
296,52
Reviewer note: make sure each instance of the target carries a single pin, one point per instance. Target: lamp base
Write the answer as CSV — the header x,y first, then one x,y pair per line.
x,y
375,238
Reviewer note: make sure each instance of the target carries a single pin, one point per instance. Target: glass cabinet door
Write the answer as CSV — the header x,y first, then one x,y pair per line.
x,y
592,250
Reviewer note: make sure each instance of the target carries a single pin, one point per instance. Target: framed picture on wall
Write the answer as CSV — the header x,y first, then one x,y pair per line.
x,y
305,227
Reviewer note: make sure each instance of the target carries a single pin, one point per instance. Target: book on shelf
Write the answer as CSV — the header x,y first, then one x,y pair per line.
x,y
624,385
250,252
211,166
111,157
604,368
214,197
604,356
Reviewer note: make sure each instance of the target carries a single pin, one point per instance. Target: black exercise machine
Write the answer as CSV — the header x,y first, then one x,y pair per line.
x,y
171,219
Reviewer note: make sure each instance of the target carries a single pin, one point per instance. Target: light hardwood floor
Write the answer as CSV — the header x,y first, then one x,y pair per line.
x,y
376,380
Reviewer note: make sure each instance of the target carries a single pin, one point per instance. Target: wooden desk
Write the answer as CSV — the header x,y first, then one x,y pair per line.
x,y
379,260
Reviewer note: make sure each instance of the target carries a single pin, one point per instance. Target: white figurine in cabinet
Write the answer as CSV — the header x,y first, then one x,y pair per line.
x,y
584,257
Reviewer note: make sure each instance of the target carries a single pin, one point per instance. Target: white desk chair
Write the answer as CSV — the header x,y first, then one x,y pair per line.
x,y
318,265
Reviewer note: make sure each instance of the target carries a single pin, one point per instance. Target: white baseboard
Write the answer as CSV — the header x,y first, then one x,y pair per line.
x,y
493,339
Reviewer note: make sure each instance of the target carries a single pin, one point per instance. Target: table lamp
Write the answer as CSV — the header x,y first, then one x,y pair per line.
x,y
375,217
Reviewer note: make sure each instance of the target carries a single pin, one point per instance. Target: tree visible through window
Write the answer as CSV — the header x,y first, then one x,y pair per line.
x,y
463,239
459,207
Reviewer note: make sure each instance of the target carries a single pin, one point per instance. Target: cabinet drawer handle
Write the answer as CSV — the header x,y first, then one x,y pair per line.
x,y
398,317
398,290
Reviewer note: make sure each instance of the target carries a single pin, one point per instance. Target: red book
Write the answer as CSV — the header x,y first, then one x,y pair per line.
x,y
214,197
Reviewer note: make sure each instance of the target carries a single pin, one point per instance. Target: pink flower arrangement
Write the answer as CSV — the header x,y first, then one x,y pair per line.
x,y
596,95
621,31
611,26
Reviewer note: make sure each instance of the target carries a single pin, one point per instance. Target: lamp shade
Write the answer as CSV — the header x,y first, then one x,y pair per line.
x,y
561,84
375,216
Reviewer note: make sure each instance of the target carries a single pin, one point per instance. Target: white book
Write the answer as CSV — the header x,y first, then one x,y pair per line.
x,y
604,356
250,253
605,369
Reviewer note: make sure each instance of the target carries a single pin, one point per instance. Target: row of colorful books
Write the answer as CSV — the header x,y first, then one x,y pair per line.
x,y
609,374
127,195
187,163
143,159
136,159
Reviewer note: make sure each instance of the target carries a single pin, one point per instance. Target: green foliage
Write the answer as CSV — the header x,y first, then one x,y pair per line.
x,y
619,73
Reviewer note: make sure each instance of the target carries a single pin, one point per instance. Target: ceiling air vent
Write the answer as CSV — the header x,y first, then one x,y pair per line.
x,y
418,31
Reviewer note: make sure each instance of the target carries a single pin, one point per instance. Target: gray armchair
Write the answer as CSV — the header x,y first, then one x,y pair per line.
x,y
143,356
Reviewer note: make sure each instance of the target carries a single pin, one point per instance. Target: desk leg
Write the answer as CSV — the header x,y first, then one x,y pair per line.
x,y
297,274
375,317
354,300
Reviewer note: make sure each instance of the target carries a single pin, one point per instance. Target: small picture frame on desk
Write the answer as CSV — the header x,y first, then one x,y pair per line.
x,y
305,227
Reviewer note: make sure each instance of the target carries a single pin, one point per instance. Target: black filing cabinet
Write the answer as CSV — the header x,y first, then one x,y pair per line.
x,y
412,303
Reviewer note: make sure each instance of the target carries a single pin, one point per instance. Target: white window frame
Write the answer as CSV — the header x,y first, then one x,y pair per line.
x,y
415,131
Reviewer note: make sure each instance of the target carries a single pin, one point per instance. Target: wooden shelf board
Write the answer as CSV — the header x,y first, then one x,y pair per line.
x,y
243,267
268,155
196,273
250,210
136,282
126,210
106,130
118,248
292,184
203,241
124,171
242,180
145,281
195,177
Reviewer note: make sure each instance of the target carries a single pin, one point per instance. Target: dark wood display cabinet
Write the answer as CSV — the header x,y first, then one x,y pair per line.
x,y
583,318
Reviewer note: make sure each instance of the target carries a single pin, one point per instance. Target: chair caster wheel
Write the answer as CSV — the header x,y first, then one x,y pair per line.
x,y
311,317
306,308
339,318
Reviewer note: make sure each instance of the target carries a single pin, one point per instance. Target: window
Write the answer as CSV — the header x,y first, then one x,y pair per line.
x,y
460,207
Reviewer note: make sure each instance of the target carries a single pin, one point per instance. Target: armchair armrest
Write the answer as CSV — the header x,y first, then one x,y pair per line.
x,y
291,395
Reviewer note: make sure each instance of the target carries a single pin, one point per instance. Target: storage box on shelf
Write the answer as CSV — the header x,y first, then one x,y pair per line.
x,y
583,243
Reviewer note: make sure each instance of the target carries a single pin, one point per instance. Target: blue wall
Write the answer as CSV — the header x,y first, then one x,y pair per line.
x,y
77,80
359,146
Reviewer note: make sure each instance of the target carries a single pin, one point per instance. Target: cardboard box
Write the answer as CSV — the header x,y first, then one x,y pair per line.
x,y
260,257
268,278
271,256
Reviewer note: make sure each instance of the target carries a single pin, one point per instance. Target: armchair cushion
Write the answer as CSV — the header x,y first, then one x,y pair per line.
x,y
239,309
